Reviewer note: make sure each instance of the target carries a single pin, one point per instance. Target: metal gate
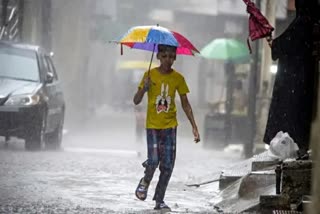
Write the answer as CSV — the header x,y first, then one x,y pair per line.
x,y
10,19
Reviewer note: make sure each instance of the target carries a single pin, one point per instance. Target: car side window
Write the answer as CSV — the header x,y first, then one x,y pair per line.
x,y
51,68
45,65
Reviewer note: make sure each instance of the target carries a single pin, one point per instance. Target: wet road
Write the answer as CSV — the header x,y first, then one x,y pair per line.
x,y
97,172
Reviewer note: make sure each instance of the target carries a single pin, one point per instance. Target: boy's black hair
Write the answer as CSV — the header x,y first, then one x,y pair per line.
x,y
163,48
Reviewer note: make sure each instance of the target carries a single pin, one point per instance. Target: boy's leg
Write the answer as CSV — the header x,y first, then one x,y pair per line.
x,y
151,163
167,160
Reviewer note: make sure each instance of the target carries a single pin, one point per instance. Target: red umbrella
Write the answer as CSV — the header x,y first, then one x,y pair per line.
x,y
259,26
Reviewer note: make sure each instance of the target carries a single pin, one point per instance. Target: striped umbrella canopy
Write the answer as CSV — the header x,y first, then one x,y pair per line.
x,y
149,37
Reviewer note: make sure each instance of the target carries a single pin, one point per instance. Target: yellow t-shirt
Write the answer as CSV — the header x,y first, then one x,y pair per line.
x,y
161,113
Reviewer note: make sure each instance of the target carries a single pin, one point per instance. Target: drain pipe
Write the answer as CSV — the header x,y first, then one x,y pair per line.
x,y
278,179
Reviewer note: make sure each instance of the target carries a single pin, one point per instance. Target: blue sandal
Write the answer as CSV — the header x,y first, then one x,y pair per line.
x,y
142,190
162,206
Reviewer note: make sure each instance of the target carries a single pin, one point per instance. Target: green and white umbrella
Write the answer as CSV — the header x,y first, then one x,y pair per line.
x,y
226,49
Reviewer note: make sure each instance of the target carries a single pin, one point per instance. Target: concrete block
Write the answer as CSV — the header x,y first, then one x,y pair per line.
x,y
269,203
264,165
296,179
225,181
256,183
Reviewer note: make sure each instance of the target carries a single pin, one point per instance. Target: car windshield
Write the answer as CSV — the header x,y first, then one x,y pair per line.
x,y
18,64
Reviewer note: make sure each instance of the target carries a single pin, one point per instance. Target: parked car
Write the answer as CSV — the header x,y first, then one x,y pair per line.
x,y
32,105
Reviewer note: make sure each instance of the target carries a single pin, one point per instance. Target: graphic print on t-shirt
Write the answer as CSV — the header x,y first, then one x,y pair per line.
x,y
163,100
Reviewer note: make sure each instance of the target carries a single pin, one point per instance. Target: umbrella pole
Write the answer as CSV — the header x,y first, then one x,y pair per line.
x,y
154,47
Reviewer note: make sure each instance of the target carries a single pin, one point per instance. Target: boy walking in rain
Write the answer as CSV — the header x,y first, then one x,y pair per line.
x,y
161,85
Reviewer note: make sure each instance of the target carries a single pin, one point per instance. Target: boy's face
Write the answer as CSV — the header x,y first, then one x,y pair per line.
x,y
167,58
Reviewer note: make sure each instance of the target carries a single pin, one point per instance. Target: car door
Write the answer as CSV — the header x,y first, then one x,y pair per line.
x,y
55,102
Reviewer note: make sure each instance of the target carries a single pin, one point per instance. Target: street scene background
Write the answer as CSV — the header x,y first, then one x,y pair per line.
x,y
99,165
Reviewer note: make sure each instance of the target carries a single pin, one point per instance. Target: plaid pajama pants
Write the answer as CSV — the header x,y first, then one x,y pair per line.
x,y
162,152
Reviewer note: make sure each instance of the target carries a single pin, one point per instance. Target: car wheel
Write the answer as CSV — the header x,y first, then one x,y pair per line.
x,y
36,137
54,139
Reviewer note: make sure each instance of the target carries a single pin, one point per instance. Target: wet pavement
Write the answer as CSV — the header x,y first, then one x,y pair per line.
x,y
97,172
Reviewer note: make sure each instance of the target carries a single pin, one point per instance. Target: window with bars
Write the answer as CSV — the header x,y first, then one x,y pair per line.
x,y
10,19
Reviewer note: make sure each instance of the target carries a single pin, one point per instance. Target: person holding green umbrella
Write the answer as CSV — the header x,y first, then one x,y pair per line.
x,y
230,51
226,49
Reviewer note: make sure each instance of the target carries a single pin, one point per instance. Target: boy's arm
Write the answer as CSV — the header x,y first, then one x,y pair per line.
x,y
144,86
138,96
188,110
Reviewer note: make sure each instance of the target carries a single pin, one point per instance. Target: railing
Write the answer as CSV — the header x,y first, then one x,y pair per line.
x,y
10,20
